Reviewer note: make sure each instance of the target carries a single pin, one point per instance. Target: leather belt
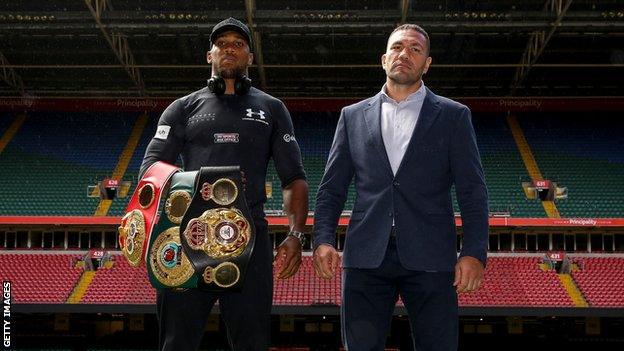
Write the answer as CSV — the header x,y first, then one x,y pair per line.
x,y
168,265
205,235
217,231
137,224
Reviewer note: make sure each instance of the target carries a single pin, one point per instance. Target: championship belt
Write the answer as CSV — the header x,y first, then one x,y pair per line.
x,y
136,226
167,263
217,231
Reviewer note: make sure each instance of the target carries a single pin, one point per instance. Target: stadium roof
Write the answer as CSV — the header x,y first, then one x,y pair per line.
x,y
311,49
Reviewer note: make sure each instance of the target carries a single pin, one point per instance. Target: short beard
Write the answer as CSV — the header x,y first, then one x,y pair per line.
x,y
231,73
405,80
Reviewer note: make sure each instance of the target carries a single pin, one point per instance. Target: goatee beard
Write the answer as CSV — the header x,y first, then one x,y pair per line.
x,y
231,73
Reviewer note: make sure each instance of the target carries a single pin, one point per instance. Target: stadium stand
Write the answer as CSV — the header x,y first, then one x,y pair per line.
x,y
125,284
52,159
314,132
120,284
586,158
40,277
518,281
511,280
119,205
504,169
601,280
306,289
36,181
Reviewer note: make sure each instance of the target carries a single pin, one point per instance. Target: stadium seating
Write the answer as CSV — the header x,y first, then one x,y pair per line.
x,y
586,158
119,205
126,284
120,284
314,132
46,168
40,277
305,288
504,169
518,281
511,281
52,159
601,280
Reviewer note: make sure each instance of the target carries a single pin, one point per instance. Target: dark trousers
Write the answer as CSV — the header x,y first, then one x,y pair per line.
x,y
369,297
182,315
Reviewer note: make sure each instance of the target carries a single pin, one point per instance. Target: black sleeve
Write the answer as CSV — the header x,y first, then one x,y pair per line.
x,y
284,147
168,141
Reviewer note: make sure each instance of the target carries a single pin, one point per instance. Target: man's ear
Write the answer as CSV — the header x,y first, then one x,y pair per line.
x,y
208,57
383,61
250,61
427,63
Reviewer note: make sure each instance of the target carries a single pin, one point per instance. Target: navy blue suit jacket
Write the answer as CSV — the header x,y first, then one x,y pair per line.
x,y
442,152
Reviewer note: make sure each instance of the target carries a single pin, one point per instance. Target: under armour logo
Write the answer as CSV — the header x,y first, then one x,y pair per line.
x,y
251,113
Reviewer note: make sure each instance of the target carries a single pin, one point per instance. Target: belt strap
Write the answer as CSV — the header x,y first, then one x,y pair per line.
x,y
137,224
167,263
217,231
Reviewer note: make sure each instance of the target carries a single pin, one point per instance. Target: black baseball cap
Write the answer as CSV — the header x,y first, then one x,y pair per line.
x,y
231,24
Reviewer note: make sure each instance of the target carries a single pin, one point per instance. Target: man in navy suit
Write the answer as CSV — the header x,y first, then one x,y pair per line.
x,y
405,147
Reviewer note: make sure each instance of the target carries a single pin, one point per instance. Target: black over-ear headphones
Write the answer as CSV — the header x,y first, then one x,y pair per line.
x,y
242,84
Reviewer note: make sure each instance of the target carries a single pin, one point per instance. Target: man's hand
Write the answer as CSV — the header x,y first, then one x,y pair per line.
x,y
468,274
326,261
288,257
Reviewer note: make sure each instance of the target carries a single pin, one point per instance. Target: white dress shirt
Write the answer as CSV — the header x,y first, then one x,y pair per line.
x,y
398,120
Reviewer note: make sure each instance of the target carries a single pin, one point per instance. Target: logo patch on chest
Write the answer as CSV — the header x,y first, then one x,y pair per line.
x,y
202,117
256,116
226,138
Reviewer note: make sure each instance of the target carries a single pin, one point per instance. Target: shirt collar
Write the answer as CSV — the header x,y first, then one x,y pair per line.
x,y
418,95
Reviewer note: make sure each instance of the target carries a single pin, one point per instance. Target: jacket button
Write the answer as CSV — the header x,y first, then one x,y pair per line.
x,y
390,214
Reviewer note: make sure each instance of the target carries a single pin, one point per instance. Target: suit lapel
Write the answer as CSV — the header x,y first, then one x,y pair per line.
x,y
372,117
428,114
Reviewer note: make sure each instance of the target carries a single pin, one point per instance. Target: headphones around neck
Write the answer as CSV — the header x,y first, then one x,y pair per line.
x,y
242,84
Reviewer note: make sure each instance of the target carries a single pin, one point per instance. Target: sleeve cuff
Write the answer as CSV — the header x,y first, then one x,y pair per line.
x,y
481,257
318,243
